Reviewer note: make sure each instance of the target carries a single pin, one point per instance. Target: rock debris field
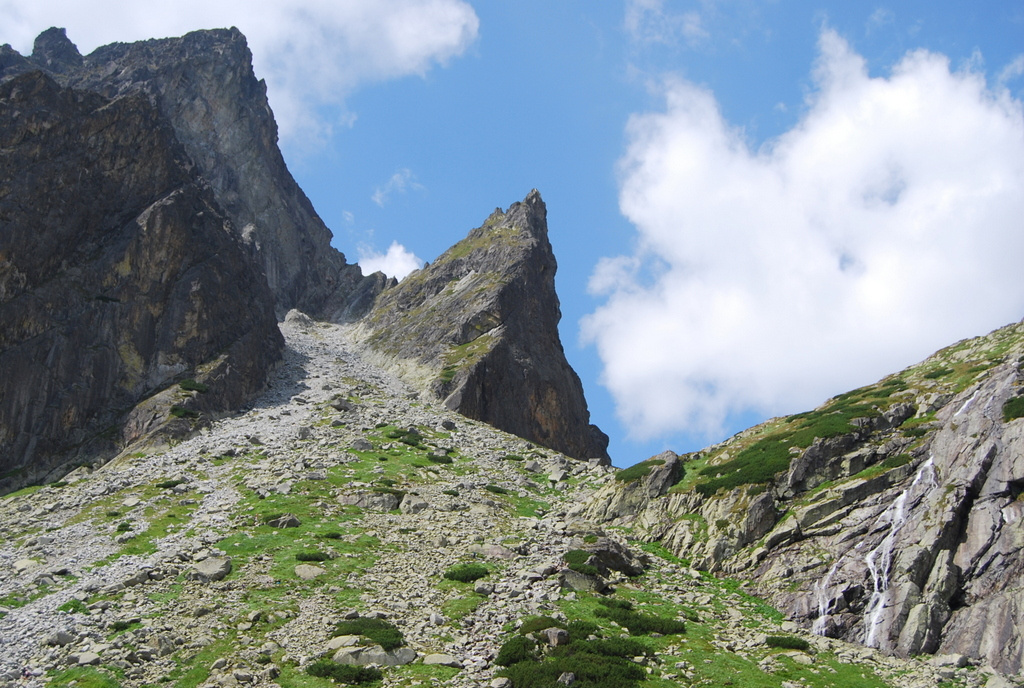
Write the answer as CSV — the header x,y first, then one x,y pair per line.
x,y
230,558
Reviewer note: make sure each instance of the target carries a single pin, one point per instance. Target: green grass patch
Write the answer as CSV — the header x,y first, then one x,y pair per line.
x,y
638,623
74,606
182,412
84,677
496,489
576,559
638,471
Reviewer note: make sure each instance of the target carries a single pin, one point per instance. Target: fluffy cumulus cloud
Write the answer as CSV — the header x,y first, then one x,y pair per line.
x,y
311,52
887,223
397,262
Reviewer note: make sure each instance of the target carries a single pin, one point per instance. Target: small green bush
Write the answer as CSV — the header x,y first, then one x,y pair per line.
x,y
378,631
513,457
437,458
788,642
343,673
74,606
1013,408
937,373
450,493
312,556
124,527
191,385
113,514
168,484
516,649
122,625
576,559
331,535
466,573
496,489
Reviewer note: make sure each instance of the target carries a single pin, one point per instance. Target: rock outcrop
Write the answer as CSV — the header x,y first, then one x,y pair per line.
x,y
119,275
479,329
204,85
892,518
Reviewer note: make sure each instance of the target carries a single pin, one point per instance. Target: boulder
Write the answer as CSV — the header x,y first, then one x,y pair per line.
x,y
211,569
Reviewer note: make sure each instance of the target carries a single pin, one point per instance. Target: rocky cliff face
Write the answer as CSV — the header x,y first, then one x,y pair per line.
x,y
890,516
204,85
119,274
479,330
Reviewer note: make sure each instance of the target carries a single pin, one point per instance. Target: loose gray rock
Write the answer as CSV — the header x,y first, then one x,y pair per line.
x,y
211,569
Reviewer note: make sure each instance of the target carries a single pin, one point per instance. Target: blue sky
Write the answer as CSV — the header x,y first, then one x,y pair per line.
x,y
754,205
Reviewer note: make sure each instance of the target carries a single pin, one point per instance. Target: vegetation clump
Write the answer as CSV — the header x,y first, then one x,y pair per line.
x,y
437,458
312,556
535,624
1013,408
74,606
466,573
168,484
378,631
343,673
788,642
496,489
182,412
191,385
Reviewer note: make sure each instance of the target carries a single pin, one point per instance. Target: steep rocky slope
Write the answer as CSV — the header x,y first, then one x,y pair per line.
x,y
119,275
204,85
890,516
229,559
478,329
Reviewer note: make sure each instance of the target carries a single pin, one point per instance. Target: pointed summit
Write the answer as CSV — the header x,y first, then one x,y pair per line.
x,y
479,329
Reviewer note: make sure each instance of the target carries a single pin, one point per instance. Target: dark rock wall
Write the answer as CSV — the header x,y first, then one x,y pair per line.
x,y
483,321
204,84
119,273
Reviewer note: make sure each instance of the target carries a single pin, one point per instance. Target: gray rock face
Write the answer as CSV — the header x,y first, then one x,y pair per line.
x,y
119,274
481,322
203,84
906,540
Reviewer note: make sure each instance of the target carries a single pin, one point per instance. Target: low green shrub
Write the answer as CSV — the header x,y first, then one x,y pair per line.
x,y
450,493
513,457
937,373
378,631
332,535
312,556
787,642
466,573
168,484
516,649
343,673
496,489
124,527
437,458
122,625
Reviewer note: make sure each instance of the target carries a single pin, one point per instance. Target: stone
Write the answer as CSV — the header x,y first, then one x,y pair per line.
x,y
308,571
567,678
411,504
556,636
443,660
60,638
375,654
501,682
285,521
341,641
22,565
211,569
87,659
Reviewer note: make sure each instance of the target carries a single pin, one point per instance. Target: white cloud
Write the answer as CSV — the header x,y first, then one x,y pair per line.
x,y
884,225
648,22
1011,72
400,182
397,262
311,52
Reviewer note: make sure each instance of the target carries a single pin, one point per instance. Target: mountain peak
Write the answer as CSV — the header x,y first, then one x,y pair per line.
x,y
55,52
